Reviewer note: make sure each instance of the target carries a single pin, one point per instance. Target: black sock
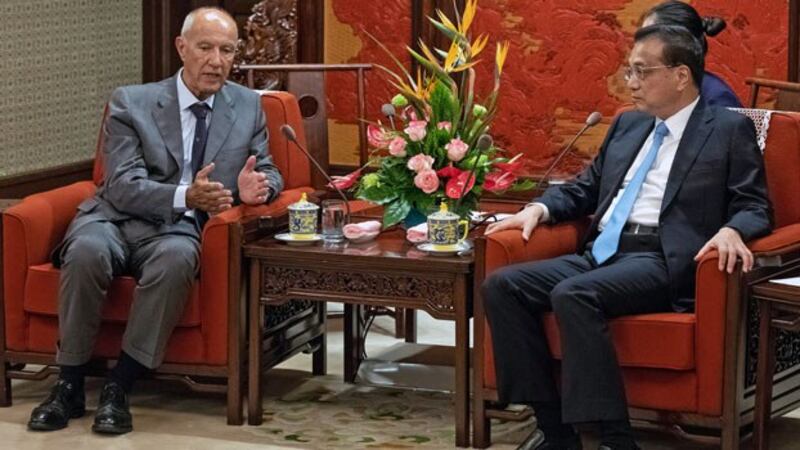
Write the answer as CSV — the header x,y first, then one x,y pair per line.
x,y
127,371
73,375
548,419
617,434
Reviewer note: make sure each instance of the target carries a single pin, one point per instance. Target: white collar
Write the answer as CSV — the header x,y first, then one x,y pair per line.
x,y
677,122
185,96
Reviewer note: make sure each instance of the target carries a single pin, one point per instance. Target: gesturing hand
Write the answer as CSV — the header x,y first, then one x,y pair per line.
x,y
208,196
253,185
526,220
730,246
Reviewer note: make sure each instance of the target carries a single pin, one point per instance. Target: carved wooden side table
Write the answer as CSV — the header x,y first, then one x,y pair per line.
x,y
779,306
387,272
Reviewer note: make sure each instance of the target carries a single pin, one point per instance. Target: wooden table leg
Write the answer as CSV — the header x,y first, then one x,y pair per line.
x,y
352,340
410,325
764,373
400,323
254,317
462,365
319,360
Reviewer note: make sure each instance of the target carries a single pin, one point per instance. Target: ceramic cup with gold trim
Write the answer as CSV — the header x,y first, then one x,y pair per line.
x,y
443,229
303,219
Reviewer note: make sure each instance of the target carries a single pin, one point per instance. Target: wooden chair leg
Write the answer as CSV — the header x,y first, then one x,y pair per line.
x,y
482,430
235,416
730,439
5,384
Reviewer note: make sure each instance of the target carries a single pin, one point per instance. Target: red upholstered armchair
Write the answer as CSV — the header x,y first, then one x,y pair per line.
x,y
207,342
680,370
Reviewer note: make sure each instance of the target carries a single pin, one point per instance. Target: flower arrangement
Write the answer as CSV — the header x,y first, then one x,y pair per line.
x,y
432,156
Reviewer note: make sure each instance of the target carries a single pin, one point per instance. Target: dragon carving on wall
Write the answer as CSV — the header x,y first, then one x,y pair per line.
x,y
270,37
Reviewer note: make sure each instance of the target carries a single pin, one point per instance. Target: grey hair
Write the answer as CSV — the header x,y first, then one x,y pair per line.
x,y
188,22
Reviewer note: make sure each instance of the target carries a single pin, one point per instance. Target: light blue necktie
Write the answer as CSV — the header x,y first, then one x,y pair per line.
x,y
607,242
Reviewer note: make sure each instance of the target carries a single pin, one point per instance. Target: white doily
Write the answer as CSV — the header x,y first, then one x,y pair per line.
x,y
760,118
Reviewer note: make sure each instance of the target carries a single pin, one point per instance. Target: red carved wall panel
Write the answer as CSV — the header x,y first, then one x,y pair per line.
x,y
565,61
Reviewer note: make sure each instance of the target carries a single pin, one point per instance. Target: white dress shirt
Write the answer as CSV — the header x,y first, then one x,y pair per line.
x,y
647,206
188,123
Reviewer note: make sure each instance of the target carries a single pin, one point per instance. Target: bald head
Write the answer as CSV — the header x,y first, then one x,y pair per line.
x,y
207,14
207,45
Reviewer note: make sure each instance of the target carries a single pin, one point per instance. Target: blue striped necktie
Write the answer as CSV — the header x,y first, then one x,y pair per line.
x,y
607,243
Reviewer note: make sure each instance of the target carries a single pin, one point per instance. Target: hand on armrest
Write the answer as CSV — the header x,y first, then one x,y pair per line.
x,y
548,241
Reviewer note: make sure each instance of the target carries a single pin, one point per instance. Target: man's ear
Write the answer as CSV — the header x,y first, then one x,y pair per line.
x,y
180,45
684,75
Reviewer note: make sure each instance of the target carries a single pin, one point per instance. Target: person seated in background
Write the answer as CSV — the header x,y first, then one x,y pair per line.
x,y
176,151
715,90
673,180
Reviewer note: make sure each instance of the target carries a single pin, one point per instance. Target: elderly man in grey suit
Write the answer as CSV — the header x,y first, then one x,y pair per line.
x,y
176,152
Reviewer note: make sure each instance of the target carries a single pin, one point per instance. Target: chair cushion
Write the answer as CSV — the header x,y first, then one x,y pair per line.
x,y
41,297
660,341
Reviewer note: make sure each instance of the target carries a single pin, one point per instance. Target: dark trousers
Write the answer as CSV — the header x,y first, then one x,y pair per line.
x,y
583,297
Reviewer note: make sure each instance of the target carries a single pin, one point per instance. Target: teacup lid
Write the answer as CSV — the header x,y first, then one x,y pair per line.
x,y
443,213
303,204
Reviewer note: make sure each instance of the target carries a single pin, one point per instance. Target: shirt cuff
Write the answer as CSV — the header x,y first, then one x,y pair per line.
x,y
179,199
545,214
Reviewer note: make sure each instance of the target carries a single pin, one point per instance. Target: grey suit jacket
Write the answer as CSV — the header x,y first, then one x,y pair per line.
x,y
144,155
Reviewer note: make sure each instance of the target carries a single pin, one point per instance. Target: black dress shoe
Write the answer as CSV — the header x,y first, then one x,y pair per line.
x,y
64,402
538,441
113,414
608,447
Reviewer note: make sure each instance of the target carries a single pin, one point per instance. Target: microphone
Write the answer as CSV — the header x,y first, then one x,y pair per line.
x,y
593,119
291,136
484,143
388,110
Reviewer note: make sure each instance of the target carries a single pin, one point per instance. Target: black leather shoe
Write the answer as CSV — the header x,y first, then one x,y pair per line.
x,y
64,402
113,414
538,441
607,447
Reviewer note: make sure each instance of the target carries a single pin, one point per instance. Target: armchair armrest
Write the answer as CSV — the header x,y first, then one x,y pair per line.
x,y
781,241
219,264
547,241
36,225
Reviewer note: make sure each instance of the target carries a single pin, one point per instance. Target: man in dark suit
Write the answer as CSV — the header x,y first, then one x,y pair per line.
x,y
672,181
175,152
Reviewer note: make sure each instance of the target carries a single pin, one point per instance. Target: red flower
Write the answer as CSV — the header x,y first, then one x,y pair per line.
x,y
346,181
455,186
448,172
499,181
513,167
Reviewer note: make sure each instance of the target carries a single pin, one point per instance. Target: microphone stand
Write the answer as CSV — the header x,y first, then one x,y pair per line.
x,y
290,135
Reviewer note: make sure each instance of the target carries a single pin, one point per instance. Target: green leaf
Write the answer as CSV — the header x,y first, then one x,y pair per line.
x,y
525,185
442,104
395,212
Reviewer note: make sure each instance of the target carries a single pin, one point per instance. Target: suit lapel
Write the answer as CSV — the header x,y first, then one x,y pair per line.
x,y
167,116
222,119
694,138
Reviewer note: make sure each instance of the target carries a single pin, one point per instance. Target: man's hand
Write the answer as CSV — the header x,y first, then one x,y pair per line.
x,y
253,185
526,220
730,246
208,196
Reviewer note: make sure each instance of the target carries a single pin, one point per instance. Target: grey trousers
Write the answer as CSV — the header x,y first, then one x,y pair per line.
x,y
164,266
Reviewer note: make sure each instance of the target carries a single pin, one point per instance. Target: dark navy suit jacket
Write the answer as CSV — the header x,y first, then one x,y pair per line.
x,y
716,92
717,179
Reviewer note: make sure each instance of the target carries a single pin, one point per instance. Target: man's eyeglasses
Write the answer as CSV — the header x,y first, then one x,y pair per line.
x,y
640,72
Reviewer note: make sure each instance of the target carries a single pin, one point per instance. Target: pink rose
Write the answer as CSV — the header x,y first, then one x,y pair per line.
x,y
456,149
447,126
408,113
397,147
420,162
376,136
416,130
427,181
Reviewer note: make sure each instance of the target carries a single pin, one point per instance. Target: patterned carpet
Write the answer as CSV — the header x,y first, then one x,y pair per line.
x,y
326,413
